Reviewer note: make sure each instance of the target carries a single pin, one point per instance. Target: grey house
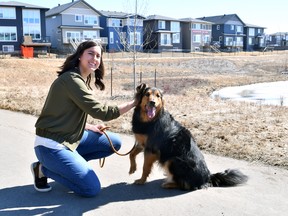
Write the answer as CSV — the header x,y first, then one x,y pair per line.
x,y
69,24
162,34
196,34
228,31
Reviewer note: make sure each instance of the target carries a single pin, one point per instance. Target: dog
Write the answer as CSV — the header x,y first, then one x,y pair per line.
x,y
165,140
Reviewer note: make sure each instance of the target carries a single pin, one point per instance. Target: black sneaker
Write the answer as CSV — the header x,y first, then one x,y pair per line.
x,y
40,184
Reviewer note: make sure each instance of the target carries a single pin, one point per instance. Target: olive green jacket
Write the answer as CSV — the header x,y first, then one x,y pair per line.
x,y
64,114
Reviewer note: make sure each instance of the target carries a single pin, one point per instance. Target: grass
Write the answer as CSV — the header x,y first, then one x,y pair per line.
x,y
256,133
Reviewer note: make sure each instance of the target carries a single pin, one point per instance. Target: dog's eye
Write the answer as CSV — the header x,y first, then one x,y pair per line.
x,y
158,95
147,94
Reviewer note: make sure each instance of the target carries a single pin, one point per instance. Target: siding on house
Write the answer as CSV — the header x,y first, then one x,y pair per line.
x,y
196,34
228,31
120,28
13,29
254,39
72,23
162,34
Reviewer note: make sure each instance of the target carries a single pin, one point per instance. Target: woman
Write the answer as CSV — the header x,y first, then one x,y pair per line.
x,y
64,141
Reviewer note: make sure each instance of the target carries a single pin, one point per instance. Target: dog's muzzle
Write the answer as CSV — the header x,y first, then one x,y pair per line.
x,y
150,109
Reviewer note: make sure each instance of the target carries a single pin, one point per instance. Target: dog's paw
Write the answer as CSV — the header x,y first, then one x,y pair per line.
x,y
140,181
132,170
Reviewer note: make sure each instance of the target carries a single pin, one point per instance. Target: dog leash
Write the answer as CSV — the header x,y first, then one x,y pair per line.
x,y
111,144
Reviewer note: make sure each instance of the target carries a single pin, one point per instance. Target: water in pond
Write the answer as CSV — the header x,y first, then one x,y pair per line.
x,y
273,93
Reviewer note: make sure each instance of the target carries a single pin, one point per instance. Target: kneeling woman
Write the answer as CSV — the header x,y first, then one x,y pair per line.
x,y
64,141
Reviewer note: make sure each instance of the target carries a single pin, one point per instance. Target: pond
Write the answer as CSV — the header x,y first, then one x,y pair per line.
x,y
273,93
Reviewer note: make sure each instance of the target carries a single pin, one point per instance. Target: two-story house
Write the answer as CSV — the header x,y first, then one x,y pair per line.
x,y
70,24
18,20
196,34
278,40
228,31
254,39
162,34
123,30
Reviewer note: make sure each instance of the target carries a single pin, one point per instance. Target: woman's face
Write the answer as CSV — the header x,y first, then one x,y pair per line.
x,y
90,60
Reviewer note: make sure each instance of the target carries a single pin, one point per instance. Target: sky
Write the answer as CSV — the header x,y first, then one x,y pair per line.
x,y
272,15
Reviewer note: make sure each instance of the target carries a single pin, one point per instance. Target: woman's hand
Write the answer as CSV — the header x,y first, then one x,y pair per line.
x,y
95,128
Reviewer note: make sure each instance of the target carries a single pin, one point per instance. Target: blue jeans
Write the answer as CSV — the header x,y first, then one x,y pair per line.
x,y
71,169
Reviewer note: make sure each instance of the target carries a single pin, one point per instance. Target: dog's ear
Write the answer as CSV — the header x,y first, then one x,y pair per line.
x,y
140,89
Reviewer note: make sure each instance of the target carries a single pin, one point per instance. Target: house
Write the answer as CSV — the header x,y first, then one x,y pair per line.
x,y
196,34
278,40
70,24
254,39
228,31
123,31
162,34
18,21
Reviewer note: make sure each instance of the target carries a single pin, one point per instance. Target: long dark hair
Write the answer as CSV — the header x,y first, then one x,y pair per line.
x,y
72,62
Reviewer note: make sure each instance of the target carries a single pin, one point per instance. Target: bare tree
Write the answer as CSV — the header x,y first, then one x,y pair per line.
x,y
131,42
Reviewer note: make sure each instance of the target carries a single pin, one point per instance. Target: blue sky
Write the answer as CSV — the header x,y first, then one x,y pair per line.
x,y
270,14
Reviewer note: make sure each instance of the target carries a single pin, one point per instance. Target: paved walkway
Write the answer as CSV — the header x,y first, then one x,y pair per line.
x,y
266,193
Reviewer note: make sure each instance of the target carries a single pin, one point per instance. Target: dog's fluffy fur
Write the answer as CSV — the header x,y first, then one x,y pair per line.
x,y
165,140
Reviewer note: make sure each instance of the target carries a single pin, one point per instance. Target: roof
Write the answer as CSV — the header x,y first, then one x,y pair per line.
x,y
222,19
60,8
21,4
189,19
120,15
253,26
159,17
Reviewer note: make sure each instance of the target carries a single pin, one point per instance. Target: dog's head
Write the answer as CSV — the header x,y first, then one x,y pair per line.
x,y
150,101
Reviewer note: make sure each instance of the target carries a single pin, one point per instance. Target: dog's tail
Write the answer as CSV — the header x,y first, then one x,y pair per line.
x,y
230,177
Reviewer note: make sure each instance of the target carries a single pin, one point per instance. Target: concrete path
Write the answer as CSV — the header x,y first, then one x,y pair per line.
x,y
266,193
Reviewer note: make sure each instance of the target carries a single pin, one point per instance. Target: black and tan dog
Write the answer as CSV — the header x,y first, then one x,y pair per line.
x,y
165,140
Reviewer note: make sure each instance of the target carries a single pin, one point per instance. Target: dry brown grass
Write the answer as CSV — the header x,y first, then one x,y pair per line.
x,y
256,133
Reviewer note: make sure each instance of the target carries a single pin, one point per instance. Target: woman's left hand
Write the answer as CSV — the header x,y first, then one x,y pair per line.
x,y
95,128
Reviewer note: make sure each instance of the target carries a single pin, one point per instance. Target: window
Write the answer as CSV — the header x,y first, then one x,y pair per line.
x,y
7,13
239,41
78,18
206,38
251,32
165,39
206,27
72,35
8,33
239,29
8,48
138,38
116,22
197,38
161,24
232,27
229,41
176,37
111,37
31,23
250,41
90,35
196,26
90,20
175,26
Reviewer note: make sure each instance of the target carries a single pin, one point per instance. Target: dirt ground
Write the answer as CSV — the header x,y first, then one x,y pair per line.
x,y
256,133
